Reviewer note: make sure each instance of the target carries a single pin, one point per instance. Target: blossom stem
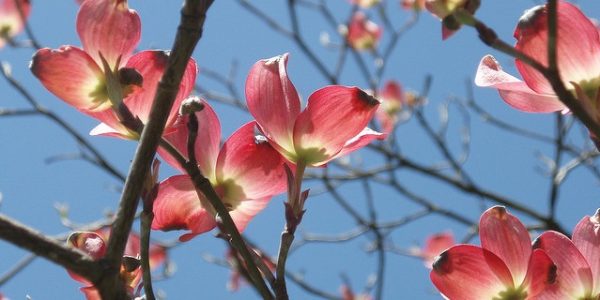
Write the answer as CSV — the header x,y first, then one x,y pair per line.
x,y
294,211
295,200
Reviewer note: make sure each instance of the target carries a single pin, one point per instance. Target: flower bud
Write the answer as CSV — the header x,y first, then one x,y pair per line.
x,y
191,105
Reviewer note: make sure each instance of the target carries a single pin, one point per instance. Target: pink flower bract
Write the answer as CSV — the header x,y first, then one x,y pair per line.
x,y
504,267
578,261
246,172
86,78
578,58
363,34
332,124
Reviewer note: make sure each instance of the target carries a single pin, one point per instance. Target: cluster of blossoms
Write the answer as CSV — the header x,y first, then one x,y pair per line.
x,y
106,80
508,265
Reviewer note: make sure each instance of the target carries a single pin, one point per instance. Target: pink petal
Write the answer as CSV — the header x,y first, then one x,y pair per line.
x,y
468,272
151,65
207,141
334,116
110,126
504,235
586,238
514,91
110,28
177,207
71,75
249,168
578,45
436,244
246,210
272,100
362,139
574,276
541,276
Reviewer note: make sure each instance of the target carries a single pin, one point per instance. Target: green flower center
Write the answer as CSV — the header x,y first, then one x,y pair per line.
x,y
5,31
231,193
590,87
512,294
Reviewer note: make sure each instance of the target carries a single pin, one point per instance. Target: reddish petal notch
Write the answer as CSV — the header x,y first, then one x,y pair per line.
x,y
574,276
470,273
71,75
110,28
272,100
514,91
541,276
334,115
504,235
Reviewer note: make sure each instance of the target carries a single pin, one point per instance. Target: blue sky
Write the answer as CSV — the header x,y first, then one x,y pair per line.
x,y
498,161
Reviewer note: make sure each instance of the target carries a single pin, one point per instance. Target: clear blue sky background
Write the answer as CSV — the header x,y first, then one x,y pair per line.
x,y
498,161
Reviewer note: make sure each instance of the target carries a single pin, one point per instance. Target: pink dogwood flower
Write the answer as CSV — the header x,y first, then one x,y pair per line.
x,y
334,122
97,79
578,261
395,105
504,267
363,34
94,244
11,21
392,101
246,172
578,58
